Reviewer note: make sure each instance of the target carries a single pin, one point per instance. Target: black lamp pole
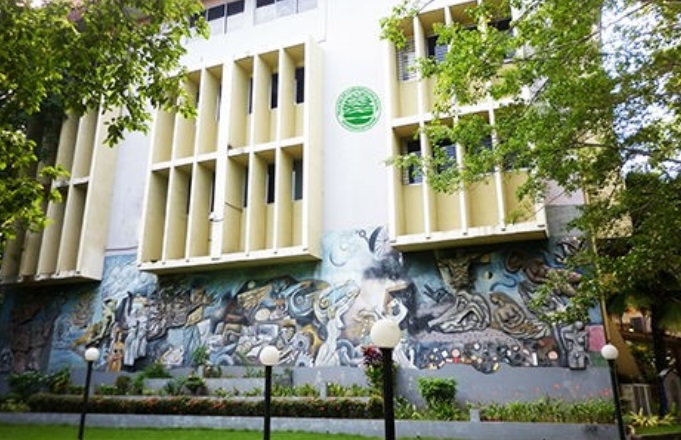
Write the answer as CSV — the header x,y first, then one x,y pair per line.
x,y
268,401
86,394
388,404
616,396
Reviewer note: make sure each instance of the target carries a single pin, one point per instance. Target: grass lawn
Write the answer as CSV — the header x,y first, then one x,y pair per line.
x,y
48,432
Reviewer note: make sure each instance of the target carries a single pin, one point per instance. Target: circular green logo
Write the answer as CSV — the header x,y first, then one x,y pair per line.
x,y
358,108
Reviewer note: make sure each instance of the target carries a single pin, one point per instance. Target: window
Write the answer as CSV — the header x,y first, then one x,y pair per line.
x,y
504,25
297,180
406,57
274,93
215,13
245,192
211,200
218,102
435,50
485,144
270,184
250,95
234,8
300,85
412,174
262,3
448,149
189,192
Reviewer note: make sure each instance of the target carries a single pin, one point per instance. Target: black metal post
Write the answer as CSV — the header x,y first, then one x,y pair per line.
x,y
86,394
388,399
268,401
616,396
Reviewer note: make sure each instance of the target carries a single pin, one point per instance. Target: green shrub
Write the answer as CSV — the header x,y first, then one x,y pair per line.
x,y
59,381
174,387
440,396
76,390
196,385
222,393
212,371
405,410
550,410
255,392
328,408
123,384
306,390
437,390
354,390
156,371
23,385
137,384
373,368
282,391
200,356
254,373
106,390
11,405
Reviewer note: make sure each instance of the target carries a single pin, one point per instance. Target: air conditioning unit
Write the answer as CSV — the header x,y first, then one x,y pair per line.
x,y
637,396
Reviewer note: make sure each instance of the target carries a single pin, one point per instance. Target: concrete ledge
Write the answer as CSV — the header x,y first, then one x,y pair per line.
x,y
370,428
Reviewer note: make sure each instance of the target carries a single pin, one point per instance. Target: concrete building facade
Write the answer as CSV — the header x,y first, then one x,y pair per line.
x,y
274,218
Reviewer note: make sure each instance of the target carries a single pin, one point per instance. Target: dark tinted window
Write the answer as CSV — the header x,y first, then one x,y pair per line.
x,y
436,51
270,183
215,13
297,179
300,85
250,95
502,25
261,3
274,94
412,174
236,7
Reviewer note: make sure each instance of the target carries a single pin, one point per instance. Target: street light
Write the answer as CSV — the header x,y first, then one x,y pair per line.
x,y
385,333
269,356
91,355
610,353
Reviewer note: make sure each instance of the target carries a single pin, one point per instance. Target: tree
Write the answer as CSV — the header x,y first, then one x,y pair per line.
x,y
77,56
591,95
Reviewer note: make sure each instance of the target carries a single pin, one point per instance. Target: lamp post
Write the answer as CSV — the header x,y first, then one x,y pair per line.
x,y
610,353
91,355
269,356
385,333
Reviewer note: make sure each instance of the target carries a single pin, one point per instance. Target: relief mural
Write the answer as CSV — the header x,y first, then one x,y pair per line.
x,y
471,307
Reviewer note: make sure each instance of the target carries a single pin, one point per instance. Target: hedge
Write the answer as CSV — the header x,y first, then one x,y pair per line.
x,y
341,408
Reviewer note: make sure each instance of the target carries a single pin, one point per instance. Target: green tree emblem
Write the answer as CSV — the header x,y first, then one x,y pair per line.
x,y
358,108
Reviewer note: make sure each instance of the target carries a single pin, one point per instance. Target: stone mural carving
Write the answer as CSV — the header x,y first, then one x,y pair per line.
x,y
462,307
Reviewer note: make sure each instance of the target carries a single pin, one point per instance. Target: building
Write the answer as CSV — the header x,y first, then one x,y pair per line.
x,y
273,218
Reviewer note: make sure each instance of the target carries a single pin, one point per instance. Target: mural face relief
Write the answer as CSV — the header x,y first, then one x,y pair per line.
x,y
467,306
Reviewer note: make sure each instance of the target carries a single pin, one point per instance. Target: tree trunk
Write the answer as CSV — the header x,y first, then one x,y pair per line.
x,y
660,354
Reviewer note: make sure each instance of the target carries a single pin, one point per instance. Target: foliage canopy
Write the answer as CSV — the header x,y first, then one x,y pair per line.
x,y
588,95
120,56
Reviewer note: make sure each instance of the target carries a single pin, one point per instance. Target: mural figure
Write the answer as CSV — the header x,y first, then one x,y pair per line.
x,y
116,353
574,339
328,351
509,317
460,311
